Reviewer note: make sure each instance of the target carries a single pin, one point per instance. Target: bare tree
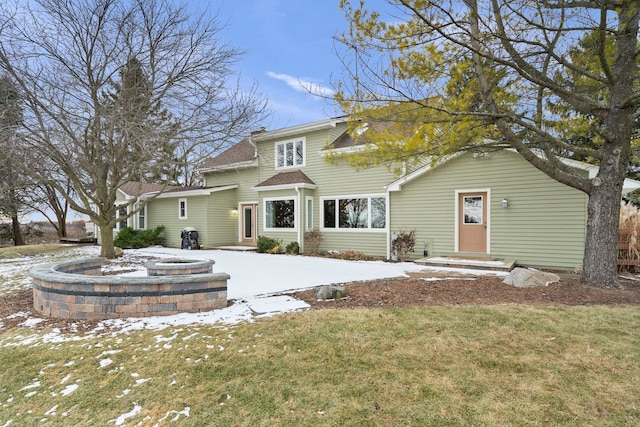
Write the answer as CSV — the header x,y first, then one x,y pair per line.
x,y
110,84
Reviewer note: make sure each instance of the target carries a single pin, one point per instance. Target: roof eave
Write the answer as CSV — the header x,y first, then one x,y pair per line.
x,y
231,166
303,185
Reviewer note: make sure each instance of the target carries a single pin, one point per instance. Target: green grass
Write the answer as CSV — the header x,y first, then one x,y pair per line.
x,y
28,250
433,366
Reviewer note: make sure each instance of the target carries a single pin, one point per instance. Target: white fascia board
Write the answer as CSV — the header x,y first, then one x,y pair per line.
x,y
231,166
189,193
347,150
285,187
294,130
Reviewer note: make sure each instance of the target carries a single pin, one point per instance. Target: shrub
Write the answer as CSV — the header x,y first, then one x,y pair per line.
x,y
128,238
312,240
404,242
349,255
268,245
292,248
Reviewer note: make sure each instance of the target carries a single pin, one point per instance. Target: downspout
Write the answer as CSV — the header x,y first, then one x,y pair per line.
x,y
387,215
298,220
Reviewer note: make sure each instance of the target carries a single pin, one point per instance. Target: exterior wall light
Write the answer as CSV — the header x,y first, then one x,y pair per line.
x,y
505,203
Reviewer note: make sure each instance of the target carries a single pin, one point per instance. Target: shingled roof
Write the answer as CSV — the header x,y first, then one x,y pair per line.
x,y
133,188
243,151
287,178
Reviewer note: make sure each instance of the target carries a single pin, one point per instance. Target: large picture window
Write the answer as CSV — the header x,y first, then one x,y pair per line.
x,y
354,212
290,153
280,213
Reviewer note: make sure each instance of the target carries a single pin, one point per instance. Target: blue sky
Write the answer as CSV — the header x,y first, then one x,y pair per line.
x,y
288,44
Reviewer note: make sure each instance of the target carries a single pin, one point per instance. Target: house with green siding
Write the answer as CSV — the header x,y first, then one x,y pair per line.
x,y
279,184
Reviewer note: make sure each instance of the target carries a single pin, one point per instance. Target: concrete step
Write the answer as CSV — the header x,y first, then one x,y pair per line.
x,y
476,263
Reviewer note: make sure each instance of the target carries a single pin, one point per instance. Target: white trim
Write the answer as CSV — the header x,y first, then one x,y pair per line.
x,y
346,150
137,216
240,219
180,202
298,129
457,220
284,143
231,166
195,192
299,185
397,184
356,230
295,214
308,212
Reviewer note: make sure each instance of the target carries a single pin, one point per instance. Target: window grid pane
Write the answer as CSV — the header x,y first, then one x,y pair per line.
x,y
354,213
280,213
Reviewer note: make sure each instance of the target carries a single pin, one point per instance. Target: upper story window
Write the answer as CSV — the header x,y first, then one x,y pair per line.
x,y
290,153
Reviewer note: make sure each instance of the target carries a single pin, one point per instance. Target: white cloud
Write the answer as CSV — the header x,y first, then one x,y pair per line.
x,y
300,85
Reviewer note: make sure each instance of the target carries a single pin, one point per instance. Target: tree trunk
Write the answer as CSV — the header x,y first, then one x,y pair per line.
x,y
600,263
107,249
16,232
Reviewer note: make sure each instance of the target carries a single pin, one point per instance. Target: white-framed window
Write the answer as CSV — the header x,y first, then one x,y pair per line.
x,y
290,153
309,212
358,212
280,214
142,218
182,208
121,211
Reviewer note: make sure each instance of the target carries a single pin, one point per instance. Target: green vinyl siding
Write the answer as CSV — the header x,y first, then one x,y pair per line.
x,y
544,224
222,219
332,181
164,211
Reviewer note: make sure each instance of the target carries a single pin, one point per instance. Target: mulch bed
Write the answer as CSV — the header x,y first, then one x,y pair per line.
x,y
407,292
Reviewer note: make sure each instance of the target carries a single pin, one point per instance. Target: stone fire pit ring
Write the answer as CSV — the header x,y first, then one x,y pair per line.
x,y
76,289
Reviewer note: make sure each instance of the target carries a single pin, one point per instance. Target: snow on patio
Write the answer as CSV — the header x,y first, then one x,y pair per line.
x,y
257,284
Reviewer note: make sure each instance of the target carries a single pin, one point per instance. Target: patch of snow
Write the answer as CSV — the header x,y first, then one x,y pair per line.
x,y
479,262
276,304
184,412
122,418
52,411
7,424
69,389
24,314
105,362
34,384
32,321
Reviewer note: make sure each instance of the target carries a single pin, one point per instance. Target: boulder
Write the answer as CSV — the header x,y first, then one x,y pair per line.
x,y
330,292
529,277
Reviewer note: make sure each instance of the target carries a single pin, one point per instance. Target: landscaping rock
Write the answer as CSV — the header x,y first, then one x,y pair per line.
x,y
330,292
119,252
529,277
